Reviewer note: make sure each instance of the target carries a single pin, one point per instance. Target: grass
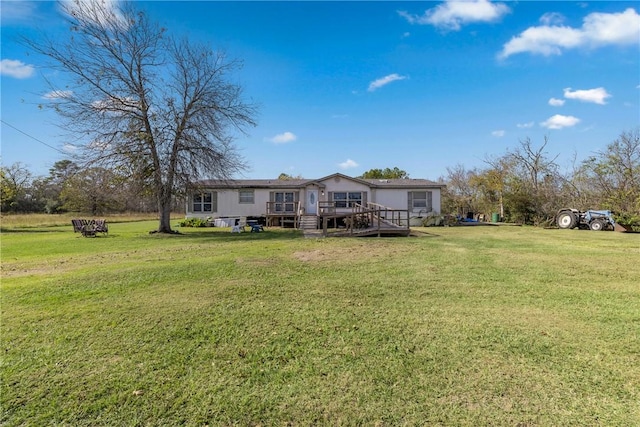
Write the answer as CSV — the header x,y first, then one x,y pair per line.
x,y
510,326
12,222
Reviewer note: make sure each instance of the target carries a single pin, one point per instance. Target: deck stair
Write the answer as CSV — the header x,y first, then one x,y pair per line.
x,y
308,222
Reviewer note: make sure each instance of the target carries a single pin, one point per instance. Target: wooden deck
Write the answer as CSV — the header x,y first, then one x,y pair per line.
x,y
369,219
383,230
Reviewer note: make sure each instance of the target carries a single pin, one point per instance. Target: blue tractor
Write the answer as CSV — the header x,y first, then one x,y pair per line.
x,y
588,220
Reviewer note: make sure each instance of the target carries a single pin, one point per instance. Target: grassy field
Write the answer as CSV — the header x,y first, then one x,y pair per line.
x,y
14,222
460,326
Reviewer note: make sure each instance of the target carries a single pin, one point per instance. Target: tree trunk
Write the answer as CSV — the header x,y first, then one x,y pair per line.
x,y
164,210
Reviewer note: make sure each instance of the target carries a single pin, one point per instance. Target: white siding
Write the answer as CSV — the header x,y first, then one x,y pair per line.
x,y
229,205
398,198
343,184
392,198
436,199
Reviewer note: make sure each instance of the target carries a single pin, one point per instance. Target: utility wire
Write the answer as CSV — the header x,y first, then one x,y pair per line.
x,y
34,138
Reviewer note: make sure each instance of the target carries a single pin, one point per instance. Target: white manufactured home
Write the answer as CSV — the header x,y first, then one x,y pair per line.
x,y
336,201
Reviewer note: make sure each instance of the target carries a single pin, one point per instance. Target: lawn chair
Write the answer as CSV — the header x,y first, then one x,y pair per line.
x,y
100,226
237,227
77,225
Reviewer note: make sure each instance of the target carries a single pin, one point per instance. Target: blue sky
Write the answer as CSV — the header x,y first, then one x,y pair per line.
x,y
350,86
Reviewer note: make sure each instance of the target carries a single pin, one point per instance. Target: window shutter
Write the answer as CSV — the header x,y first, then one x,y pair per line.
x,y
364,198
410,200
214,201
429,203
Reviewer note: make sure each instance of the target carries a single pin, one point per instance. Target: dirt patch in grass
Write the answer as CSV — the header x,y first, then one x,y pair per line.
x,y
362,250
315,256
336,253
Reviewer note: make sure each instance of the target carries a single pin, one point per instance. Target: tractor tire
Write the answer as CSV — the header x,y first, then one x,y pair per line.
x,y
566,220
597,225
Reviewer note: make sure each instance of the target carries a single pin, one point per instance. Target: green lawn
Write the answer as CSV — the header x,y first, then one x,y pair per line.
x,y
460,326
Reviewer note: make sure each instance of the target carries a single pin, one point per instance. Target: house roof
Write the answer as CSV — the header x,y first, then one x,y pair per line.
x,y
299,183
254,183
403,183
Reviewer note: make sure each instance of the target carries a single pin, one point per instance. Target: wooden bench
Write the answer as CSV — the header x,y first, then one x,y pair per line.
x,y
89,228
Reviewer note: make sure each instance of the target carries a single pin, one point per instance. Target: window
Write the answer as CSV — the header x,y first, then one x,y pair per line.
x,y
347,199
284,202
205,202
420,201
246,196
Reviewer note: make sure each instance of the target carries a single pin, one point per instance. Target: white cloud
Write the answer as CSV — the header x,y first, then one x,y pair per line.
x,y
377,84
106,12
70,148
598,29
613,28
282,138
57,94
452,14
543,40
597,95
348,164
498,133
555,102
552,18
559,121
15,68
525,125
114,105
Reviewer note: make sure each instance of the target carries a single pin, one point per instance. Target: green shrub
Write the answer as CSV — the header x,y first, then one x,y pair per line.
x,y
193,222
628,220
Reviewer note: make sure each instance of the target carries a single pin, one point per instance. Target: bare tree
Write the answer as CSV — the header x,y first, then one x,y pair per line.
x,y
142,99
459,196
15,181
615,174
493,181
539,177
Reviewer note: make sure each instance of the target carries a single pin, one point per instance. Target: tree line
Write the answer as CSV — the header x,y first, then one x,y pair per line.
x,y
70,188
526,184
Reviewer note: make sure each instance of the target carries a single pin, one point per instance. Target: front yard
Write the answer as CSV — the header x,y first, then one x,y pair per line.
x,y
460,326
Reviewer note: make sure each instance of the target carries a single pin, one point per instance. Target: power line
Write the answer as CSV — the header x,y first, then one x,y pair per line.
x,y
34,138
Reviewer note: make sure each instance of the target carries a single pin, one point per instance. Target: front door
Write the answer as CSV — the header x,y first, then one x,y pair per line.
x,y
311,207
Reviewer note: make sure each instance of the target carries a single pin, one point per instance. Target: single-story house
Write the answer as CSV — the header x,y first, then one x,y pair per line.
x,y
302,203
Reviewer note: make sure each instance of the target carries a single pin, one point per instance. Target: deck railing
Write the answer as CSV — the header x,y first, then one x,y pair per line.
x,y
369,218
280,213
283,208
